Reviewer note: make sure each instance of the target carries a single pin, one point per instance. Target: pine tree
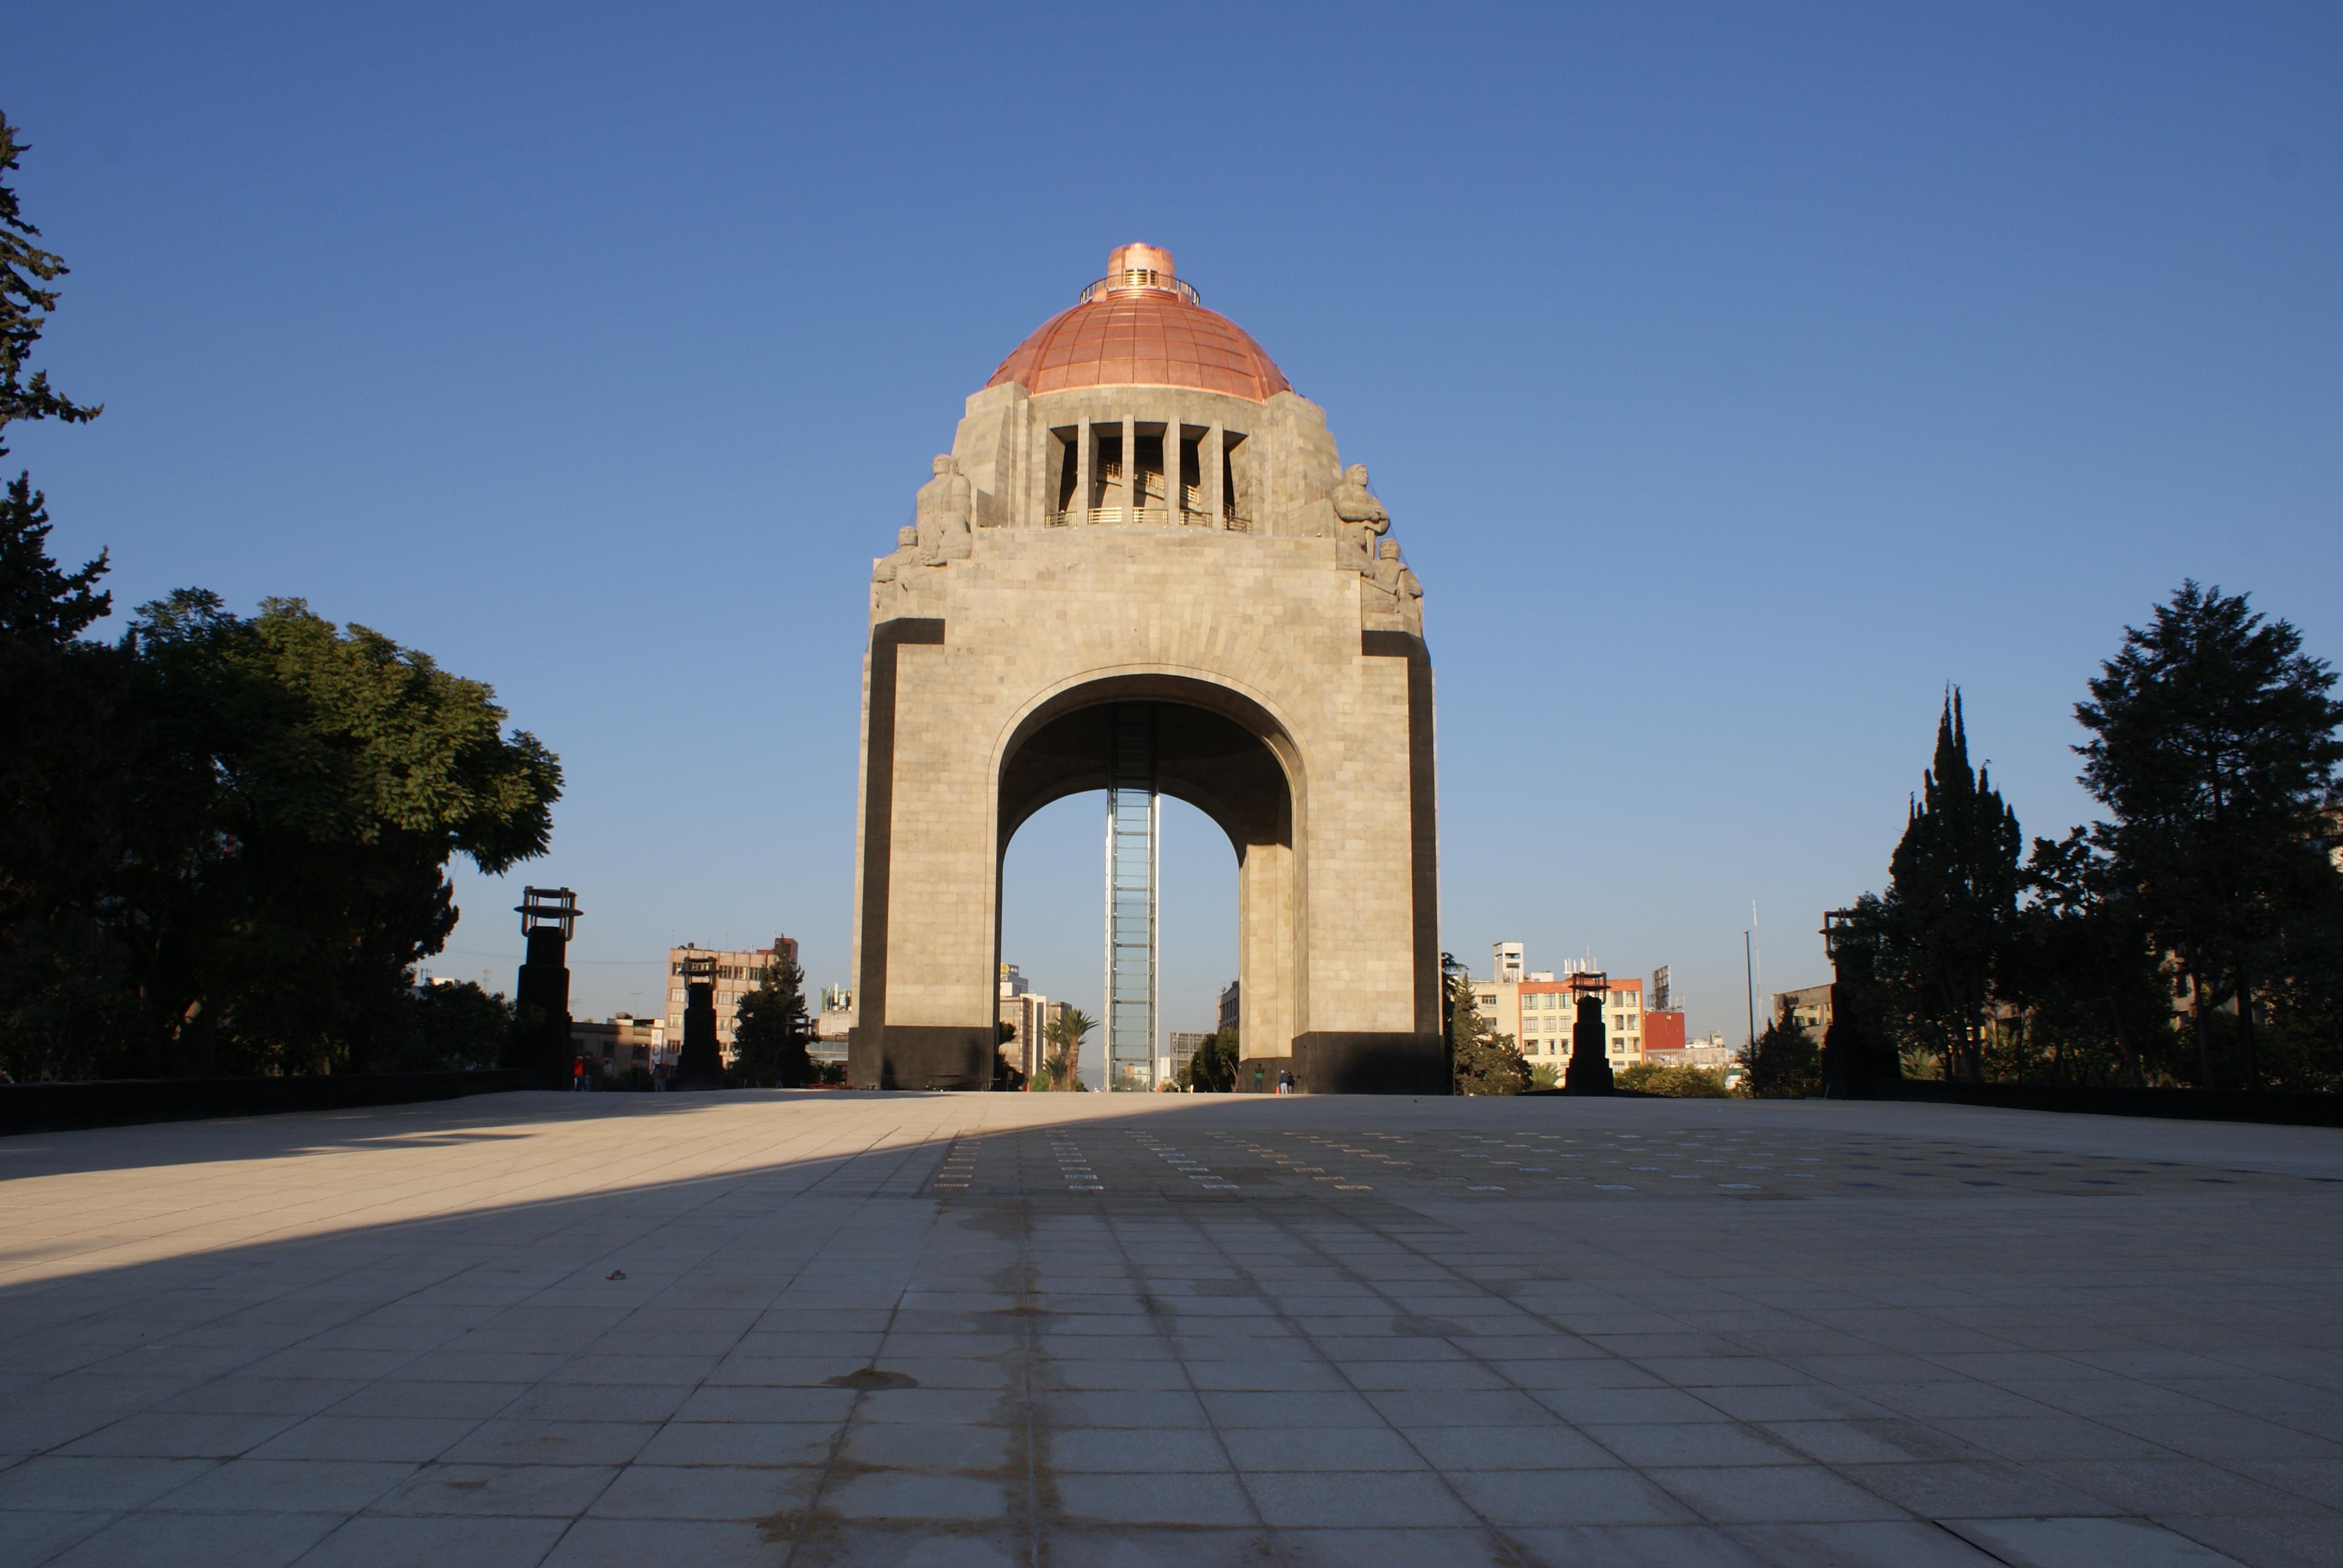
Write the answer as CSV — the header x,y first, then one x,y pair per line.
x,y
1783,1062
1953,894
26,302
1486,1062
41,607
2213,748
770,1029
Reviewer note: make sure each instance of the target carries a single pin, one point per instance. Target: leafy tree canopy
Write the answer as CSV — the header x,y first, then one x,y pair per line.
x,y
1684,1082
259,832
1213,1069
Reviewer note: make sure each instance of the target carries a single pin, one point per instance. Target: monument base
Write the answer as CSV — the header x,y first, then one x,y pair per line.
x,y
921,1056
1339,1061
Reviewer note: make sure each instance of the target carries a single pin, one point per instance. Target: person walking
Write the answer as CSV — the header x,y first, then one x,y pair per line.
x,y
578,1074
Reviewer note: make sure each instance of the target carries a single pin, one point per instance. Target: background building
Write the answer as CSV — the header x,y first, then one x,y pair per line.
x,y
1029,1015
1185,1044
830,1024
1810,1005
623,1043
1707,1050
1229,999
736,971
1535,1008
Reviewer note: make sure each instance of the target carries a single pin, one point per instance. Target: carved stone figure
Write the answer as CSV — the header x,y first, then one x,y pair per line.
x,y
1360,519
887,583
945,513
890,567
1354,504
1391,574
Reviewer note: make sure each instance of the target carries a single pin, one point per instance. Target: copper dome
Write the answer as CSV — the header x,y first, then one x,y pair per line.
x,y
1139,326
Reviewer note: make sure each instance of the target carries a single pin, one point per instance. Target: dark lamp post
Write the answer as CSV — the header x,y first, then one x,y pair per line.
x,y
700,1063
541,1045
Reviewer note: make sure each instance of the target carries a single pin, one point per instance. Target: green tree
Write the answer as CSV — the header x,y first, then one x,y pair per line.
x,y
25,301
447,1028
1486,1062
223,842
1062,1038
1684,1082
1213,1069
770,1029
2303,1047
1951,908
42,608
62,973
307,787
263,842
1783,1062
1007,1076
2082,971
1544,1075
2214,749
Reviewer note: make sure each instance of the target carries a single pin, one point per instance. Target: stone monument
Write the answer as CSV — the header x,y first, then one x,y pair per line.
x,y
1139,509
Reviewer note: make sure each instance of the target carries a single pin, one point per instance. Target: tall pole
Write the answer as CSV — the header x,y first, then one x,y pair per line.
x,y
1749,975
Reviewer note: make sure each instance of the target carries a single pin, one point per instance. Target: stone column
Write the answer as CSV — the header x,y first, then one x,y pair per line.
x,y
1083,439
1130,469
1209,458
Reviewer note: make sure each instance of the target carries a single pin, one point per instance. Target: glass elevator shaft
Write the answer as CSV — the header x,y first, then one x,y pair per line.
x,y
1134,864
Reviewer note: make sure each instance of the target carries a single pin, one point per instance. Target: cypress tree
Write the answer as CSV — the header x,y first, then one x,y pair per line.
x,y
1953,887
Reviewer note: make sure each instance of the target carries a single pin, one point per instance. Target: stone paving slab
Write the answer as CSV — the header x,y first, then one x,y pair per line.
x,y
831,1329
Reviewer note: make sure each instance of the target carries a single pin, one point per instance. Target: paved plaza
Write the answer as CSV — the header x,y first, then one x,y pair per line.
x,y
832,1328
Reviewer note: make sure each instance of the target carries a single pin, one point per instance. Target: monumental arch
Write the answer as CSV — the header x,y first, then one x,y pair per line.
x,y
1143,528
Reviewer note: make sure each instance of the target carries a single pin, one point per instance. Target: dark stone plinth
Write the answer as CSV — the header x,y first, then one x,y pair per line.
x,y
1590,1050
541,1046
700,1063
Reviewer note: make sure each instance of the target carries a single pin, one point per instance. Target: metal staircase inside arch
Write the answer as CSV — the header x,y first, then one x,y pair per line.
x,y
1133,861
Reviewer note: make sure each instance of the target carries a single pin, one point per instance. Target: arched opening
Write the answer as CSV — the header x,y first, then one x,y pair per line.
x,y
1052,877
1217,751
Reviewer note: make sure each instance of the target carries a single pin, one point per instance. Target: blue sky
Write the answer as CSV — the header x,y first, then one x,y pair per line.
x,y
1737,376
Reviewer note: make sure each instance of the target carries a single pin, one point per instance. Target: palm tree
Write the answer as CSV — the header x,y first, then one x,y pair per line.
x,y
1063,1069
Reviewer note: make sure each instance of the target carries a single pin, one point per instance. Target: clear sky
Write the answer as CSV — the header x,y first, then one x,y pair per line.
x,y
1737,376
